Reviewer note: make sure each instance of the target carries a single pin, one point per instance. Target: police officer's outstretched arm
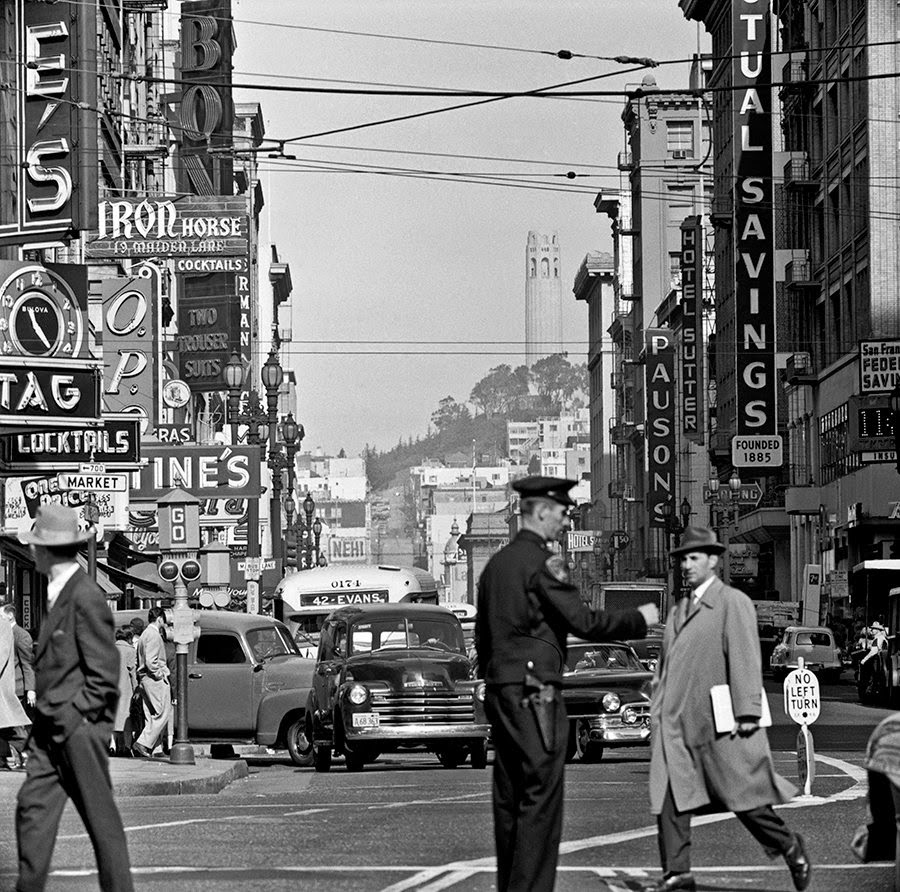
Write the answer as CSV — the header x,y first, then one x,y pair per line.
x,y
558,596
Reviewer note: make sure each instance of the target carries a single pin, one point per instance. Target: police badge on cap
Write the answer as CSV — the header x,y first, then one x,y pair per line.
x,y
554,488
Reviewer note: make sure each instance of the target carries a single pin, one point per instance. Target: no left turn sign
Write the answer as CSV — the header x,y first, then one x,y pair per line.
x,y
801,696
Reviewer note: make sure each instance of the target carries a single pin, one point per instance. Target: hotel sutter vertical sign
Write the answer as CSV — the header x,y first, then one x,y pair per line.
x,y
757,394
692,329
660,427
48,174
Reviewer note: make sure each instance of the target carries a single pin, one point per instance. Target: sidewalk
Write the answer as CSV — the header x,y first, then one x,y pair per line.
x,y
154,777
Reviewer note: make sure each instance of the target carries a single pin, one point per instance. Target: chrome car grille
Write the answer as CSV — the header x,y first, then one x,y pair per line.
x,y
424,707
638,712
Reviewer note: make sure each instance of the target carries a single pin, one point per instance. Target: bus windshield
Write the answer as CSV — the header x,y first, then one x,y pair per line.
x,y
309,596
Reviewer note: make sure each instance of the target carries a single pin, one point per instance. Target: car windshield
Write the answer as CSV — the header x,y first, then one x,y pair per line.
x,y
433,633
609,657
270,641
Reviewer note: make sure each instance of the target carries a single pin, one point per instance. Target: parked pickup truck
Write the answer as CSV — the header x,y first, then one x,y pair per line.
x,y
247,683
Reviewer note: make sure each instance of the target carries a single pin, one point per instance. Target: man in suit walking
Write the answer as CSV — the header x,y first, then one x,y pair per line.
x,y
77,687
153,677
711,639
526,609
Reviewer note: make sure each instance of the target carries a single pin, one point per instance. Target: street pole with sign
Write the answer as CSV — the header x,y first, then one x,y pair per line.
x,y
802,704
179,543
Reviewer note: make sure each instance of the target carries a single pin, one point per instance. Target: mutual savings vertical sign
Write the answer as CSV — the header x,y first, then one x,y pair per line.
x,y
754,220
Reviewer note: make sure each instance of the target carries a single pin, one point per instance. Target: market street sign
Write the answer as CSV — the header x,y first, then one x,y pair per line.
x,y
70,480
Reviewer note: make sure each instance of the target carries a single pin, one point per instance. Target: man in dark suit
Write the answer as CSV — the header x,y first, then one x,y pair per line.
x,y
526,609
77,686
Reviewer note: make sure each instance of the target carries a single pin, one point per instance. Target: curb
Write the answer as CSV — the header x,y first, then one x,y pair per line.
x,y
166,782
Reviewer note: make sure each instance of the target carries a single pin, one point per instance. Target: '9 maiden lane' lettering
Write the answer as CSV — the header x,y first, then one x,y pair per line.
x,y
754,267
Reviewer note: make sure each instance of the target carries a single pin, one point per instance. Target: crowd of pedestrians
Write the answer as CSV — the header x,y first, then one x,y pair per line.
x,y
71,699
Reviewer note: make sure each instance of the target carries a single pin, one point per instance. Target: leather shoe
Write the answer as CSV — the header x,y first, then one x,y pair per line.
x,y
674,881
799,863
139,750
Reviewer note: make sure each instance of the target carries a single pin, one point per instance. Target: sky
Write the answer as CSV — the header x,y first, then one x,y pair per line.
x,y
421,274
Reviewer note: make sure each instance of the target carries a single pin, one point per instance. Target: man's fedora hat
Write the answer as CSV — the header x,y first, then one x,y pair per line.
x,y
55,525
699,539
554,488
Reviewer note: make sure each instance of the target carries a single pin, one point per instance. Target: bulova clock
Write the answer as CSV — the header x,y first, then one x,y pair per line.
x,y
39,315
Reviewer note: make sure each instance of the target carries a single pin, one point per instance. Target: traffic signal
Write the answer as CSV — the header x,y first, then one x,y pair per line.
x,y
290,549
191,570
168,571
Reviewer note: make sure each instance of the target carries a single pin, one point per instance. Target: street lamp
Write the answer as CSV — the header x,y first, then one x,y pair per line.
x,y
290,506
254,418
317,532
309,506
272,375
686,511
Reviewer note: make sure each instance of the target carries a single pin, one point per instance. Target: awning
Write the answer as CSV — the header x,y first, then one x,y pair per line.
x,y
141,576
881,564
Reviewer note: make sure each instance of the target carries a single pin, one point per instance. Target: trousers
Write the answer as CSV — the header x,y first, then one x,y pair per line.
x,y
527,791
76,769
157,708
674,836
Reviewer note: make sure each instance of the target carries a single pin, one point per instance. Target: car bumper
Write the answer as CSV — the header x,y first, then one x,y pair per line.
x,y
813,667
611,731
418,733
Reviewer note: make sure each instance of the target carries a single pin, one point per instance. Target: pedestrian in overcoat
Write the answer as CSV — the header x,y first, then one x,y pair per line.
x,y
76,678
711,639
127,683
13,719
526,609
153,677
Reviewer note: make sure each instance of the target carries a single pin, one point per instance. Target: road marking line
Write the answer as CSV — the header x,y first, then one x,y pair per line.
x,y
482,794
214,819
857,791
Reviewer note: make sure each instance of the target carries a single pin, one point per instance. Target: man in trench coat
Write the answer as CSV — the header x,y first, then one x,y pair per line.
x,y
710,639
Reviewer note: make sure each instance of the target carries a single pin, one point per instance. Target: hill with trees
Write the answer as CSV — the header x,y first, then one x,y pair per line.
x,y
551,386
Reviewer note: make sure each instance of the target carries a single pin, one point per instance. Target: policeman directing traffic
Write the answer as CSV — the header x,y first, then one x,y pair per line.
x,y
526,609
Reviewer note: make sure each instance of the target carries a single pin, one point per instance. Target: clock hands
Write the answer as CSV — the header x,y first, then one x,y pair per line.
x,y
37,328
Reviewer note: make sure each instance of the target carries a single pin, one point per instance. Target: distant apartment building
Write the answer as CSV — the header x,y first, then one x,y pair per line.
x,y
523,441
339,488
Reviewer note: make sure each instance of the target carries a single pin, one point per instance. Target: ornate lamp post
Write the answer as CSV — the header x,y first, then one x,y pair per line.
x,y
290,506
254,418
317,533
272,376
309,507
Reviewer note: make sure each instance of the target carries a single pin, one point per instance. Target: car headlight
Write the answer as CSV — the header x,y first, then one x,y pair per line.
x,y
652,665
358,694
611,702
629,716
480,691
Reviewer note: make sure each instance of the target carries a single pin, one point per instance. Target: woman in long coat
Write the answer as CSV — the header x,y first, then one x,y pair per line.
x,y
127,684
711,639
13,719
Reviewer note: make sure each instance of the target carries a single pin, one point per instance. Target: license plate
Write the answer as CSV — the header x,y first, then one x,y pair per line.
x,y
366,719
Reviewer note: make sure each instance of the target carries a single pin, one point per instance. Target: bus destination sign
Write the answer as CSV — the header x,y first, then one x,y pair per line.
x,y
343,599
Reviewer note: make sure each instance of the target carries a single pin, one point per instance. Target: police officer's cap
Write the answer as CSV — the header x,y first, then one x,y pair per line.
x,y
554,488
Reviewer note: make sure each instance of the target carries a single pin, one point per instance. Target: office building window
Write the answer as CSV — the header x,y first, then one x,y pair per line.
x,y
680,139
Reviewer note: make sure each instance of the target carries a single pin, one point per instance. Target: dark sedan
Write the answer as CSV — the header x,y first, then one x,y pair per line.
x,y
607,695
394,677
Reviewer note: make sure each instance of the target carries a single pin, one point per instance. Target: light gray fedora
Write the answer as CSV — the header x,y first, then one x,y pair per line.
x,y
55,525
699,539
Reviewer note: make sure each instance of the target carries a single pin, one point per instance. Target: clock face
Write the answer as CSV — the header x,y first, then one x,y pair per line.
x,y
39,315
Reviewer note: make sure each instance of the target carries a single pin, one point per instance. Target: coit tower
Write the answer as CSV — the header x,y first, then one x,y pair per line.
x,y
543,297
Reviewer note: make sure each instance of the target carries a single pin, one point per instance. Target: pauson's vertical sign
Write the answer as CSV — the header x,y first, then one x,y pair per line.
x,y
660,415
753,219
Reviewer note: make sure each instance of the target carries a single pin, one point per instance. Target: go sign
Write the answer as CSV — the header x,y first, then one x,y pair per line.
x,y
801,696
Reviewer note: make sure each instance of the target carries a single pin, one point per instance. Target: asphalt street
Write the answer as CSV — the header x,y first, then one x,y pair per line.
x,y
406,823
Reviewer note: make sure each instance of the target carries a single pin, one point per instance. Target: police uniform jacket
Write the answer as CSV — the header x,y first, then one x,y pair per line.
x,y
527,608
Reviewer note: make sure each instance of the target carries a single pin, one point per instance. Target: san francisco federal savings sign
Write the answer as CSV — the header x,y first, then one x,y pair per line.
x,y
188,226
